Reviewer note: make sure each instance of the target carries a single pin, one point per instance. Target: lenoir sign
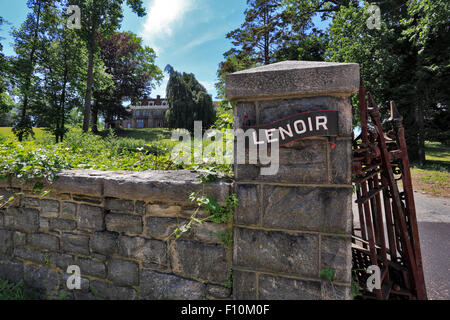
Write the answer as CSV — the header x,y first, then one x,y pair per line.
x,y
295,127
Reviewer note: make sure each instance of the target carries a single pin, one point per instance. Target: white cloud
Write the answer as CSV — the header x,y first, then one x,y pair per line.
x,y
162,17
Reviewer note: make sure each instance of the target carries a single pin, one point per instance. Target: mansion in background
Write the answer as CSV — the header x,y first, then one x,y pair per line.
x,y
147,113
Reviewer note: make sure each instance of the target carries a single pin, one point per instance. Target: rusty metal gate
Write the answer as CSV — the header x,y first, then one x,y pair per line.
x,y
385,231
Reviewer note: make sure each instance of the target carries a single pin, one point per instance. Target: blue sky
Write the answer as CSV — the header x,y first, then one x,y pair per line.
x,y
187,34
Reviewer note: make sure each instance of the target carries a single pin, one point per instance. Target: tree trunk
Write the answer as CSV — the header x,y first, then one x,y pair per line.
x,y
95,118
90,76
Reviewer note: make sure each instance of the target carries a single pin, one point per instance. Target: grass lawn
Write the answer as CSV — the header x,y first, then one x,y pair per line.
x,y
434,177
6,131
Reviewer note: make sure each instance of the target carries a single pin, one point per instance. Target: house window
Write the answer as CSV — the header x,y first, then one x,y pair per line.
x,y
151,103
138,113
129,125
139,123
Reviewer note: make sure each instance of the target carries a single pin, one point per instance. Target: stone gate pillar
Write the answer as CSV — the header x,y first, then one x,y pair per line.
x,y
294,227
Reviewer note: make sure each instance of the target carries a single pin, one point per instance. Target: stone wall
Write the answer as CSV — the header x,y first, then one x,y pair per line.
x,y
113,225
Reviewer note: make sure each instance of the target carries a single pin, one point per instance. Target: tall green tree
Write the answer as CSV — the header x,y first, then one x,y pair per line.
x,y
99,17
132,69
27,46
5,101
188,101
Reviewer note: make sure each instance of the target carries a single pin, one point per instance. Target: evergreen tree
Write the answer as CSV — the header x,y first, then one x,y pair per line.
x,y
188,102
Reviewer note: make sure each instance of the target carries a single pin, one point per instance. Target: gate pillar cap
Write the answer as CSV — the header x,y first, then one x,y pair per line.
x,y
290,79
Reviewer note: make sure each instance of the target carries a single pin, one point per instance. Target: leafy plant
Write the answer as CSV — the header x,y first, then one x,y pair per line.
x,y
226,238
327,273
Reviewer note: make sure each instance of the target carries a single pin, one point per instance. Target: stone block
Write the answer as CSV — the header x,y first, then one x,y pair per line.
x,y
11,270
104,242
119,205
87,199
331,291
244,285
31,255
124,223
159,227
275,251
75,243
49,208
217,292
62,224
336,254
293,78
20,238
30,202
199,260
123,272
6,242
140,207
341,161
92,268
61,260
162,286
143,249
43,241
279,288
209,232
44,224
69,210
104,290
90,218
323,209
163,210
248,211
41,278
21,219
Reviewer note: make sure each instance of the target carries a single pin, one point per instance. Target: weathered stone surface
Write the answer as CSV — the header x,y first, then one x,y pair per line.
x,y
341,161
11,270
279,288
41,278
308,208
90,218
29,202
331,291
143,249
248,211
6,242
104,242
336,254
104,290
293,78
140,207
156,285
155,266
163,210
159,227
44,224
69,210
20,238
61,260
49,208
244,285
277,251
153,185
79,182
218,292
209,232
22,219
200,260
123,223
43,241
88,199
119,205
92,268
75,243
62,225
30,254
123,272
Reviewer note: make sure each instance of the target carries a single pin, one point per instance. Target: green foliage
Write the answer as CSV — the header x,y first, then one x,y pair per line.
x,y
229,282
188,102
226,238
355,289
327,273
15,291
